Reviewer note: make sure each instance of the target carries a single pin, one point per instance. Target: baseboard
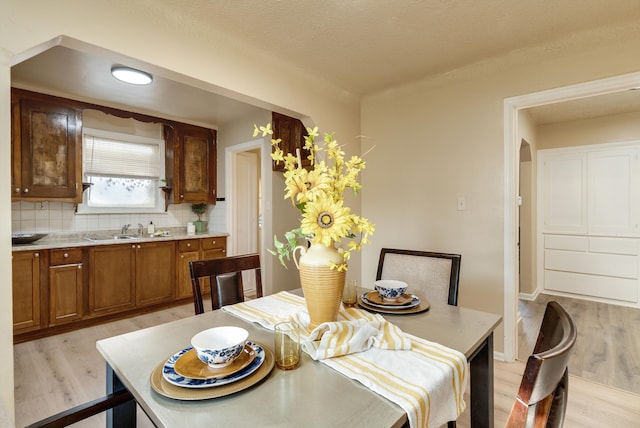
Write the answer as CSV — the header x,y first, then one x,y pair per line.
x,y
529,296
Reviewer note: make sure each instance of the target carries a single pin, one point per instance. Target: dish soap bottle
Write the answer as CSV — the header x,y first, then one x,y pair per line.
x,y
151,228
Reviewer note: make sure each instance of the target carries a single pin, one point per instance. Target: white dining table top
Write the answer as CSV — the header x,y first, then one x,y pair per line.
x,y
312,395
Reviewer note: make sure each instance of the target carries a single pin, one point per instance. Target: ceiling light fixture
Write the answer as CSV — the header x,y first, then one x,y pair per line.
x,y
131,75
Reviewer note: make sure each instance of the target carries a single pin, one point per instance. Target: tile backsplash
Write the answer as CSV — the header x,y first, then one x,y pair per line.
x,y
60,217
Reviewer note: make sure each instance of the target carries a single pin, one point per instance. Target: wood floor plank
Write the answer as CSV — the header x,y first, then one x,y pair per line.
x,y
607,348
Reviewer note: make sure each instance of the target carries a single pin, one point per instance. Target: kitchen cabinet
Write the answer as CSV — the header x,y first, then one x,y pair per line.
x,y
46,148
66,286
291,132
154,272
191,250
213,248
193,152
187,251
62,289
111,279
26,291
126,276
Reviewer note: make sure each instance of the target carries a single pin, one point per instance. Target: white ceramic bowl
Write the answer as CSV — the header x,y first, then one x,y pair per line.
x,y
390,289
219,346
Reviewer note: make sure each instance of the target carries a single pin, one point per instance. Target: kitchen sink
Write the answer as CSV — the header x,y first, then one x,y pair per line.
x,y
100,238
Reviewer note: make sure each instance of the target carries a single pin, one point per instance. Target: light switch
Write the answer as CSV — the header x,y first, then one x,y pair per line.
x,y
462,203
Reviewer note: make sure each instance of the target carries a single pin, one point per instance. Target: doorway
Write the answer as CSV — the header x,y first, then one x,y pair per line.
x,y
244,208
512,142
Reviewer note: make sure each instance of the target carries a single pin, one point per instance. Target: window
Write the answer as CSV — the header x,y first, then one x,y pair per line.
x,y
124,172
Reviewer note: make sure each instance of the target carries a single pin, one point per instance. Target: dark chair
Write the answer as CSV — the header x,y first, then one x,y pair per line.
x,y
542,397
225,277
84,411
434,276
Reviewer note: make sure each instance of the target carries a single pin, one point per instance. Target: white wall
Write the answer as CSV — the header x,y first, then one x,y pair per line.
x,y
606,129
443,138
168,43
527,211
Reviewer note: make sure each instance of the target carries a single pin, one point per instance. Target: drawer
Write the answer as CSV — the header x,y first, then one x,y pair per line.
x,y
65,256
212,243
189,245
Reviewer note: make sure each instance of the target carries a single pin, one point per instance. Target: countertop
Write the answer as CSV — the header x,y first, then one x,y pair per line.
x,y
64,240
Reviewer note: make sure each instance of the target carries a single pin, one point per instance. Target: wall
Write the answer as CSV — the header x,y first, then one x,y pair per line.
x,y
606,129
170,44
527,212
443,137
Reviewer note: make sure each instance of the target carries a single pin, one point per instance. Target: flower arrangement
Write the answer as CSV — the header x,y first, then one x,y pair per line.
x,y
318,192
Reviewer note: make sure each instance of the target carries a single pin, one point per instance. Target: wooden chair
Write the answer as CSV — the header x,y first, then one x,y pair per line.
x,y
84,411
542,397
225,278
434,276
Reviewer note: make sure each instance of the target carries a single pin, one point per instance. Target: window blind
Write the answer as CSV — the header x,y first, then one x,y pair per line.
x,y
115,158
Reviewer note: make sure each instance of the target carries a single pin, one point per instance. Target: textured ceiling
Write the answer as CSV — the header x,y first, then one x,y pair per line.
x,y
359,46
364,46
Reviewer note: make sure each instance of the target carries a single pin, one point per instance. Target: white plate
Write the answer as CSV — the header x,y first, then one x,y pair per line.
x,y
415,301
170,375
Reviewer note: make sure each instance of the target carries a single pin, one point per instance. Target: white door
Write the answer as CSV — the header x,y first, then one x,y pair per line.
x,y
246,210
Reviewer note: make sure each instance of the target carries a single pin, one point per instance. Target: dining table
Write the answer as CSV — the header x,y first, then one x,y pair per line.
x,y
311,395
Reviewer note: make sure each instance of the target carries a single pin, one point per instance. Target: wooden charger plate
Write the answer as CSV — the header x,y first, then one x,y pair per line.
x,y
422,307
162,387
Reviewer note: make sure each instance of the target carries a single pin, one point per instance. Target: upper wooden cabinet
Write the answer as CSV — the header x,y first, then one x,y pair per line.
x,y
46,148
291,132
191,151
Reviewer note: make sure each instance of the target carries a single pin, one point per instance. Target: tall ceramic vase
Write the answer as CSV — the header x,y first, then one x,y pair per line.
x,y
321,285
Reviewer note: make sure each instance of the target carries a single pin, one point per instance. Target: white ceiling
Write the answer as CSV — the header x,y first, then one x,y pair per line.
x,y
360,46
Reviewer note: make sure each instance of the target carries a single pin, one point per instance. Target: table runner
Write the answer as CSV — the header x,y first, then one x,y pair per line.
x,y
427,381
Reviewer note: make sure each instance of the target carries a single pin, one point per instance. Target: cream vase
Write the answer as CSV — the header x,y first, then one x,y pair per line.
x,y
321,285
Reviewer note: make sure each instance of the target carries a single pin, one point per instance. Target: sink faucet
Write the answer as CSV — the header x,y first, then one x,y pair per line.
x,y
125,228
140,229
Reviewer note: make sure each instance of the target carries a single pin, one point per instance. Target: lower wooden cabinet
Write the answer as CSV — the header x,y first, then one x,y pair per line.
x,y
187,251
26,291
62,289
213,248
66,286
195,249
111,279
154,274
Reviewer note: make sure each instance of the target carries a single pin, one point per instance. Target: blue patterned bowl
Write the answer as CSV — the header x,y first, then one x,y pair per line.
x,y
219,346
390,289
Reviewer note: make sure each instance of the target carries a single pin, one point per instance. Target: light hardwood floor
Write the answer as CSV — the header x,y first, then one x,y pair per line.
x,y
55,373
607,348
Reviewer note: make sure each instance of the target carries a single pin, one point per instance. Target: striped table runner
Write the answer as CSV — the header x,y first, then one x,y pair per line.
x,y
424,378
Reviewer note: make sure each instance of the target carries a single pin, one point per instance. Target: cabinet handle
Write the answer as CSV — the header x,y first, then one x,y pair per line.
x,y
36,255
26,190
182,256
79,266
223,251
17,190
213,241
138,247
65,255
181,196
188,244
133,246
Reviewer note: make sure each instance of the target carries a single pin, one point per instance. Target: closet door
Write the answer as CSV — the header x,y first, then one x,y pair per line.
x,y
613,192
564,192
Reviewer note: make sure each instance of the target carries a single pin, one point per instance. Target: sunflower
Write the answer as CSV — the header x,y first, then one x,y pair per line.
x,y
327,221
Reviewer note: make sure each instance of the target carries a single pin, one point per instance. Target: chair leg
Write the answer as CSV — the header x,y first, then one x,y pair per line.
x,y
451,424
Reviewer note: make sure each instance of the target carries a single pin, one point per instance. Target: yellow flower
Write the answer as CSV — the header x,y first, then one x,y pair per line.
x,y
326,220
318,191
